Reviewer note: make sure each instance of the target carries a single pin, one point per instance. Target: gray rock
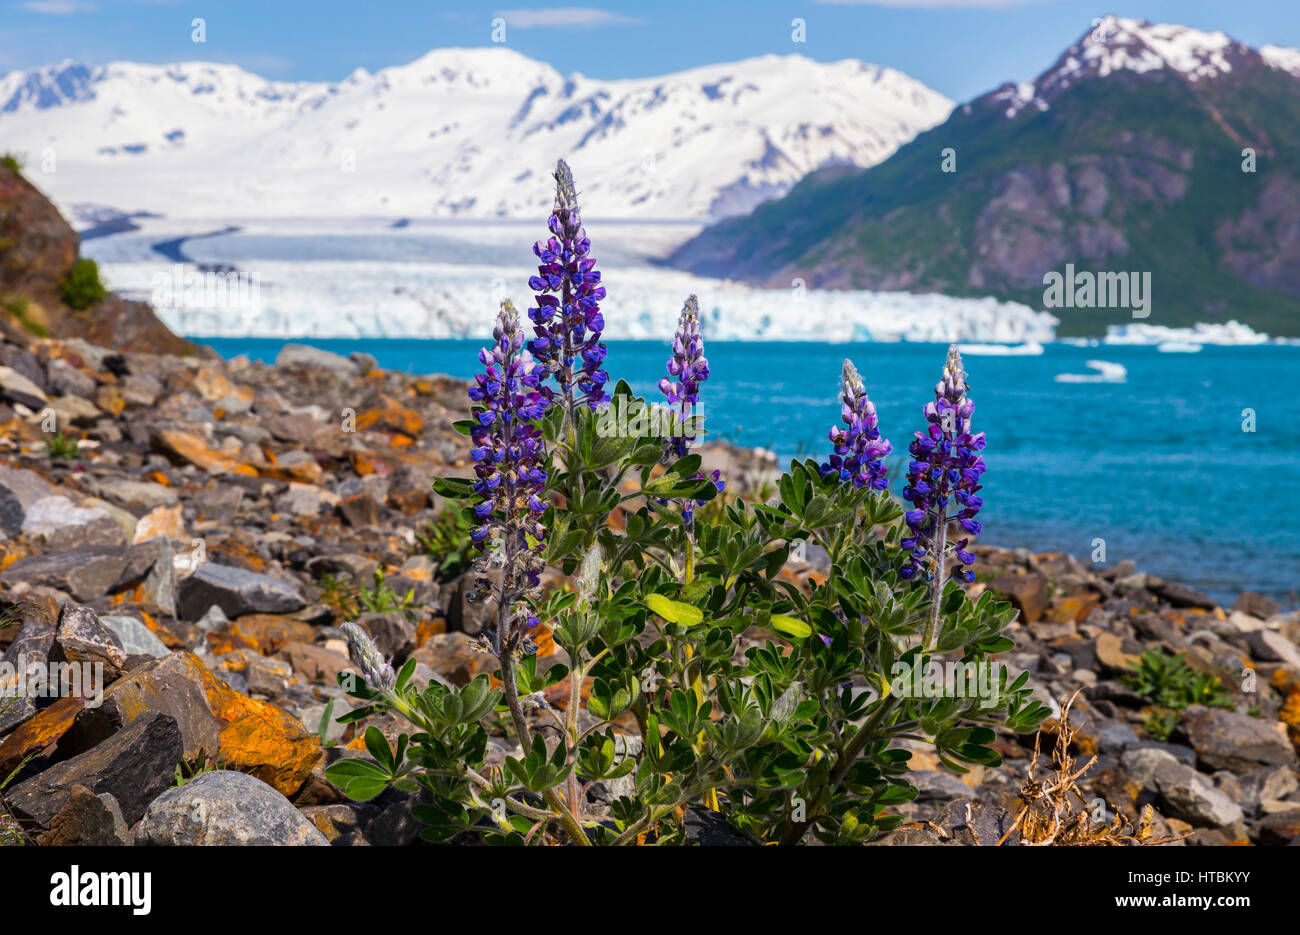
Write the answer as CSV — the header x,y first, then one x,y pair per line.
x,y
365,362
135,637
11,512
81,638
88,820
1184,792
236,592
134,766
85,573
16,388
978,823
225,808
393,633
56,524
27,486
1193,798
159,587
73,410
30,650
395,826
24,362
1179,595
935,786
66,380
1116,738
1237,742
293,355
609,790
1272,646
708,828
1257,605
137,495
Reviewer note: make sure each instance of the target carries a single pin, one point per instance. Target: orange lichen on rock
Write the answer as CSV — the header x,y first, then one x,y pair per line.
x,y
256,737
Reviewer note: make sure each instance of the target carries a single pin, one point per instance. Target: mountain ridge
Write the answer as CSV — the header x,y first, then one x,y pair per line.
x,y
1125,154
441,136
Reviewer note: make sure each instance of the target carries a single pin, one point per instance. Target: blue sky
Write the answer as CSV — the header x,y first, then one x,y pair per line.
x,y
959,47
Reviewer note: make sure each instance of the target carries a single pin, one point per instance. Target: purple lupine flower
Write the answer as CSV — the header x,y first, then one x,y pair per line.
x,y
691,368
508,458
567,318
859,448
943,478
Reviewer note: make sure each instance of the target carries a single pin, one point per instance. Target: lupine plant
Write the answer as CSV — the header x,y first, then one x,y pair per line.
x,y
694,669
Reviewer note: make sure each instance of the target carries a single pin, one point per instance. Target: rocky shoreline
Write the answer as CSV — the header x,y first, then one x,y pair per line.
x,y
198,529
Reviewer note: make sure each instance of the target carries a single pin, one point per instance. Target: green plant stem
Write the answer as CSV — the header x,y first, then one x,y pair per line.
x,y
524,735
795,830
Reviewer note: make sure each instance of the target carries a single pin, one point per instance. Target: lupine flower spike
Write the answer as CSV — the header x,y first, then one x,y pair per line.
x,y
943,483
691,368
508,460
567,319
859,452
379,675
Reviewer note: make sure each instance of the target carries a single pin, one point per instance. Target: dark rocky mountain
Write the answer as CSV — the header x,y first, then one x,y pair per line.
x,y
38,252
1132,153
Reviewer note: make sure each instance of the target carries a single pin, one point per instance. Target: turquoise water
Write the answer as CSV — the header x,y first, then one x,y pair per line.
x,y
1158,466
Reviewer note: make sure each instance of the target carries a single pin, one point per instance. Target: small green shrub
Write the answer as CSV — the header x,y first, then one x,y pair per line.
x,y
60,446
13,162
1171,683
352,600
83,287
188,771
20,309
447,540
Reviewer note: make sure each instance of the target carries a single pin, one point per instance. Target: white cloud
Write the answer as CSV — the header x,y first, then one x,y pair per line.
x,y
57,7
571,17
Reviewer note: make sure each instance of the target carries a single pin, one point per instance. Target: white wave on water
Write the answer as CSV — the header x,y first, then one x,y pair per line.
x,y
1179,347
1030,349
1106,372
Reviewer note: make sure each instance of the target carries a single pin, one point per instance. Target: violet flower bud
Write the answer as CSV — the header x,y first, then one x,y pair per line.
x,y
859,450
567,319
691,368
379,675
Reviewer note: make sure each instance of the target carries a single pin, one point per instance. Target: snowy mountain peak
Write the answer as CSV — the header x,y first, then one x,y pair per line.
x,y
1287,60
457,132
1115,44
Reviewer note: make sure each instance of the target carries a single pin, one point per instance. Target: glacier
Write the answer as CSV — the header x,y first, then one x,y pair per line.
x,y
357,279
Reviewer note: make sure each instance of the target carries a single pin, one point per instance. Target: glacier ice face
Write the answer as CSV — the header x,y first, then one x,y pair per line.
x,y
312,282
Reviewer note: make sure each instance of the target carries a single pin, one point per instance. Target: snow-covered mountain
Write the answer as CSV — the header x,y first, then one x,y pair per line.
x,y
458,132
1117,44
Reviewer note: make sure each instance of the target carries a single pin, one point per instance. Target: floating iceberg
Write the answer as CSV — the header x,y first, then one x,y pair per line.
x,y
1107,372
1232,332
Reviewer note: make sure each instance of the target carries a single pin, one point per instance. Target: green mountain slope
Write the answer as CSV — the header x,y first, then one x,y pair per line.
x,y
1107,168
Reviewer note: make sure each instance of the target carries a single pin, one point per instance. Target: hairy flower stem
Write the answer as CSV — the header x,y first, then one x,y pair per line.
x,y
940,578
525,737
